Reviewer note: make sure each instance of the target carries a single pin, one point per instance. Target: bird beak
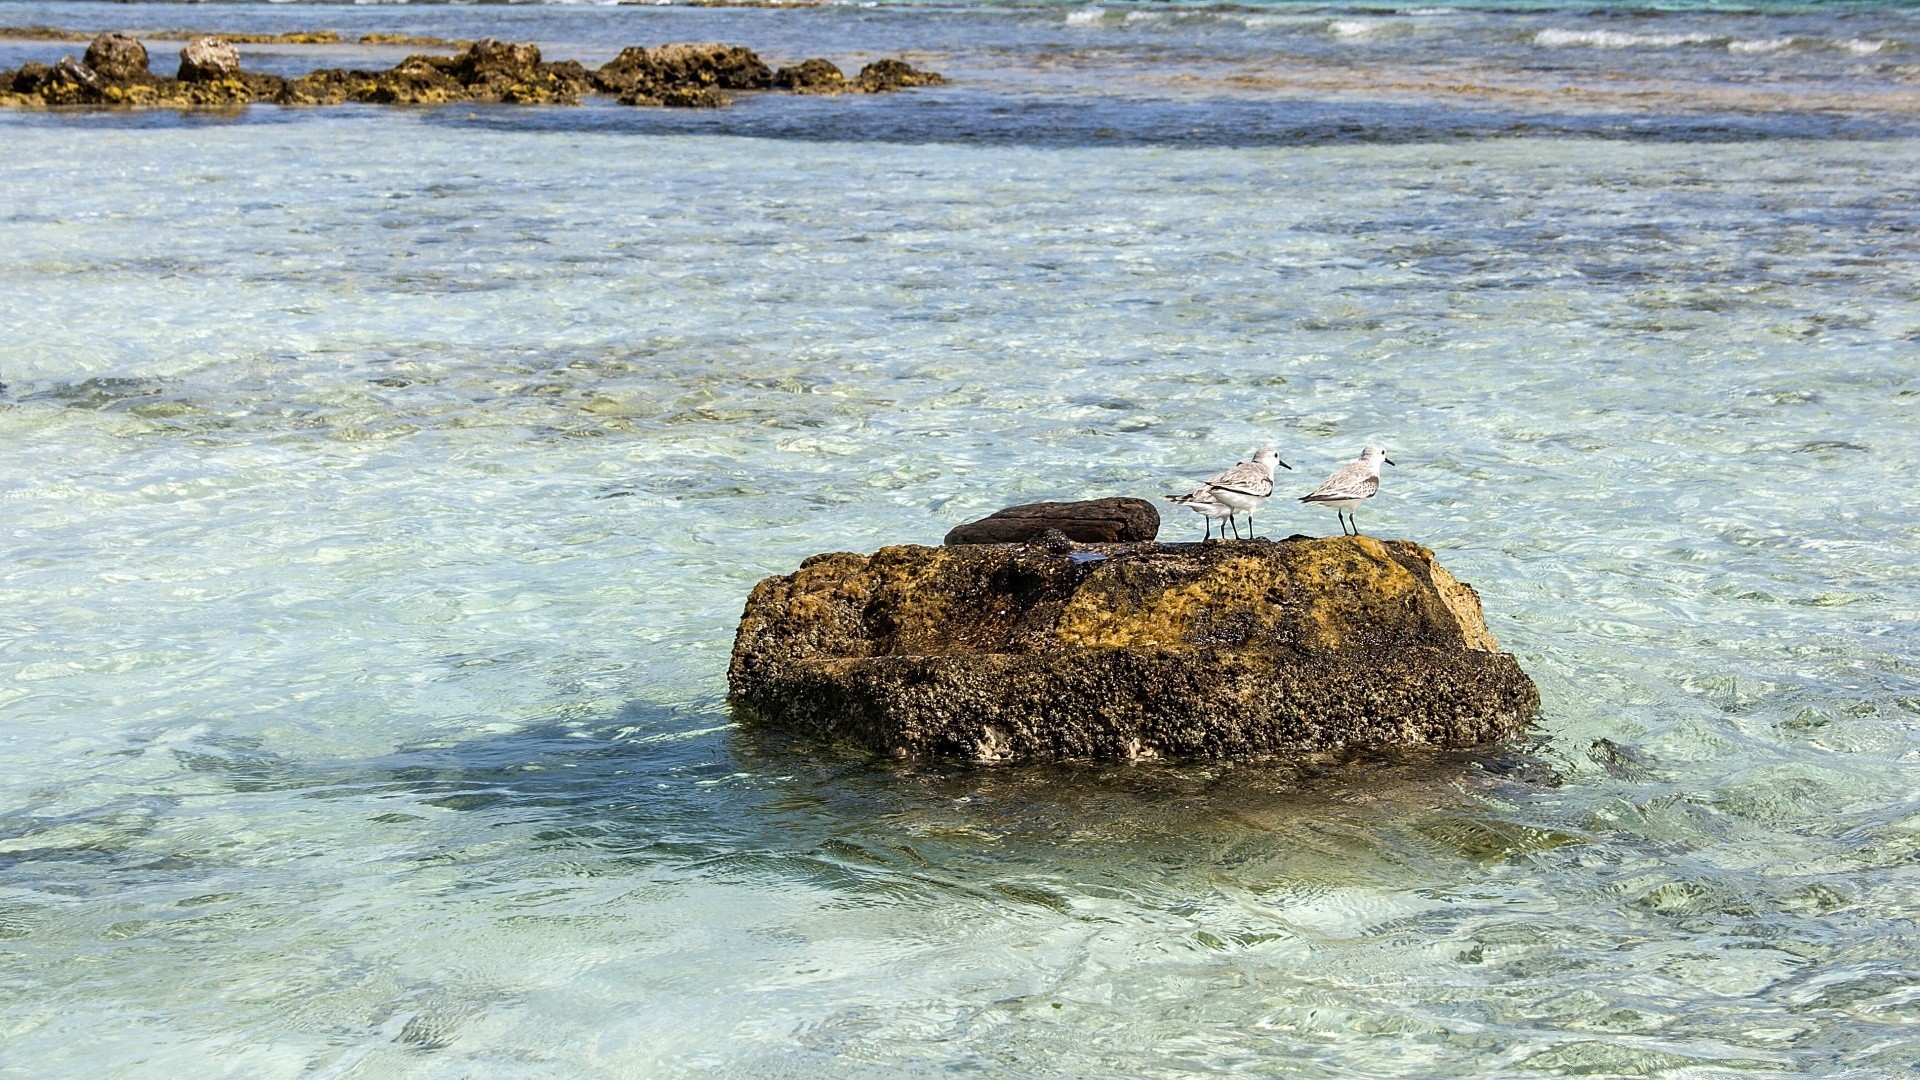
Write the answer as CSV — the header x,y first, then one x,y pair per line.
x,y
1388,460
1283,464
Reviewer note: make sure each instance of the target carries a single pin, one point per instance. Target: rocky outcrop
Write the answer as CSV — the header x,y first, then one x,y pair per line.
x,y
115,72
682,74
496,71
686,74
208,59
1216,650
488,71
880,77
884,76
815,76
118,58
1094,521
417,80
123,79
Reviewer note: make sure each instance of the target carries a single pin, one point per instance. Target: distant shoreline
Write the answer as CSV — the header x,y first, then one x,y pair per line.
x,y
291,37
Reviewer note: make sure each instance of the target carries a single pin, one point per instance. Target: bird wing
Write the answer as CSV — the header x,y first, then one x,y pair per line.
x,y
1202,494
1245,478
1350,482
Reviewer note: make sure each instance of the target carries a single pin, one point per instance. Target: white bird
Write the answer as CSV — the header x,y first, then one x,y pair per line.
x,y
1350,485
1203,503
1241,488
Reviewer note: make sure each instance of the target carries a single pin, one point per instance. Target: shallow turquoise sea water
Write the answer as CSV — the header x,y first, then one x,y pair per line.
x,y
383,487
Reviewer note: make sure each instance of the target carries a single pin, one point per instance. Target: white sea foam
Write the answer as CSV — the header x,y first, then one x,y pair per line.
x,y
1759,45
1554,37
1864,46
1352,28
1259,20
1086,16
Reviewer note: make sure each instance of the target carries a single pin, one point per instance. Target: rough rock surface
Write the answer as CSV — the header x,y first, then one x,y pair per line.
x,y
1224,649
488,70
70,82
208,59
118,58
815,76
883,76
683,74
1094,521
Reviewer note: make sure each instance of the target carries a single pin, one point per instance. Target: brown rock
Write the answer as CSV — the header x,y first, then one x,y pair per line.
x,y
814,76
642,73
417,80
118,58
30,78
495,71
71,82
1212,650
1095,521
883,76
208,59
488,71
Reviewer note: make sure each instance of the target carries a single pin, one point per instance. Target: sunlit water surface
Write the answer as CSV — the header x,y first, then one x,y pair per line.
x,y
382,488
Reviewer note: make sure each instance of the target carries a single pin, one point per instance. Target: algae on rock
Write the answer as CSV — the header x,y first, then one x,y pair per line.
x,y
1128,651
115,72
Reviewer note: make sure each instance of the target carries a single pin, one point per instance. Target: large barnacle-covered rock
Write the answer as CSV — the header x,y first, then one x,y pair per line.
x,y
1127,651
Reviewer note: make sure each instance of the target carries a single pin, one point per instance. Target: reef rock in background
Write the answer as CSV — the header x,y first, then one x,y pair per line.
x,y
489,71
115,72
884,76
118,58
208,59
1094,521
685,74
815,76
1218,650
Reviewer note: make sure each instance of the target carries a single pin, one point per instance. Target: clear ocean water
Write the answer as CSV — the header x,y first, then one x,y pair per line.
x,y
381,488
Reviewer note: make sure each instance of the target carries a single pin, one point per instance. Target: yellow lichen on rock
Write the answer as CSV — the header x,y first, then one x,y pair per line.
x,y
1464,601
1315,594
1119,618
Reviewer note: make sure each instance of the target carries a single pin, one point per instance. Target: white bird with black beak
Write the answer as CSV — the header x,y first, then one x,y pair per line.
x,y
1351,485
1240,489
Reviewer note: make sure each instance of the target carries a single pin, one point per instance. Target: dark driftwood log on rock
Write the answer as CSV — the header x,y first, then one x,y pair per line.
x,y
1215,650
1096,521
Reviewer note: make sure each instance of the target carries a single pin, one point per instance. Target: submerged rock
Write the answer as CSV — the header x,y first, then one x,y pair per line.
x,y
1229,649
1094,521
